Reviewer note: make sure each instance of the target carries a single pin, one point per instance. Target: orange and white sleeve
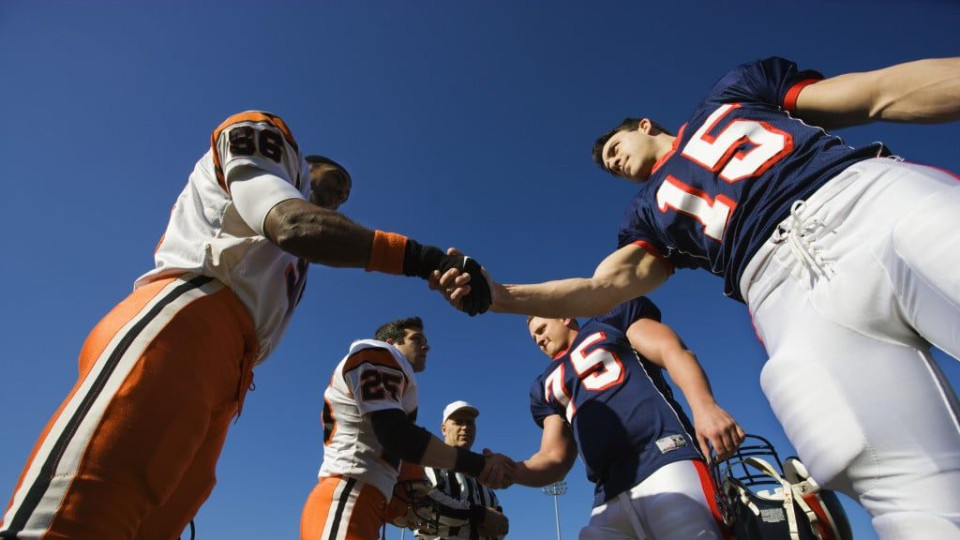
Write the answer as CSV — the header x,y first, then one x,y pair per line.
x,y
257,161
376,380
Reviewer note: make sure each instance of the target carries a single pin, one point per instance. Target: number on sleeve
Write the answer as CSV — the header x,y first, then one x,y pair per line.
x,y
376,385
245,140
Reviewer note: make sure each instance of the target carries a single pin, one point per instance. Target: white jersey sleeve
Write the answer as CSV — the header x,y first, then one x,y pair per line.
x,y
373,376
208,234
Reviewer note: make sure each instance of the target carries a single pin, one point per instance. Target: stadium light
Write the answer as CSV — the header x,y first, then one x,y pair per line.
x,y
555,490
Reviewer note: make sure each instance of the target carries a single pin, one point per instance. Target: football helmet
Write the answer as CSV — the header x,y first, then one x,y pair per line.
x,y
410,508
762,498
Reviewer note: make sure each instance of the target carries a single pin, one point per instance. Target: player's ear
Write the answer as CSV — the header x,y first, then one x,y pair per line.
x,y
646,127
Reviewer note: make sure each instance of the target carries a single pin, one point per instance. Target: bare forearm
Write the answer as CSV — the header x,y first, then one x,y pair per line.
x,y
574,297
319,235
624,274
541,470
686,373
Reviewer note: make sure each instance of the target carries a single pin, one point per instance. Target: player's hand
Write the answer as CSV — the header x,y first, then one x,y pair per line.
x,y
494,523
463,282
499,471
716,429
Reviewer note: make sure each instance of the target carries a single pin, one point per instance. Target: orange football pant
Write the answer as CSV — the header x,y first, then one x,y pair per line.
x,y
342,508
131,452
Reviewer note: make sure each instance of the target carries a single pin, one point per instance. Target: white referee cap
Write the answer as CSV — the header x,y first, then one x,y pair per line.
x,y
458,406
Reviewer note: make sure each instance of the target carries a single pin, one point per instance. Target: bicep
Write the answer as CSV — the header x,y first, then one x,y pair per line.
x,y
633,270
256,194
841,101
557,440
653,340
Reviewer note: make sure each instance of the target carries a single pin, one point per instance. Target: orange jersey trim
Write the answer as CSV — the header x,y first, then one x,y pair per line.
x,y
250,116
378,357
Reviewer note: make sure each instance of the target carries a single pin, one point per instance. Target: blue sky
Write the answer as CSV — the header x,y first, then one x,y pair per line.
x,y
462,123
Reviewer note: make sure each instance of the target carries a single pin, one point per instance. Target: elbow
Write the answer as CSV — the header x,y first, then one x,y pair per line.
x,y
301,234
290,232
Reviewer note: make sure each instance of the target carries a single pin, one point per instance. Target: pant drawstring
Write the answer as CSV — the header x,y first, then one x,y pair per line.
x,y
796,233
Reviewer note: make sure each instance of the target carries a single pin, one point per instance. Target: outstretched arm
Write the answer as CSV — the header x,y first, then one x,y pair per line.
x,y
626,273
555,457
327,237
924,91
318,235
714,427
413,444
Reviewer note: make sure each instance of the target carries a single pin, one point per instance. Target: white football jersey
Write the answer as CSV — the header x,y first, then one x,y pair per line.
x,y
373,376
206,234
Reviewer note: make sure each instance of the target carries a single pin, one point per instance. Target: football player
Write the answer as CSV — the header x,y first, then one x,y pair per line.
x,y
604,393
369,411
132,450
846,258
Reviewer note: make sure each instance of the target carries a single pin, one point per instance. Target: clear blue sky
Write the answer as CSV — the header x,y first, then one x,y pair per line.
x,y
463,123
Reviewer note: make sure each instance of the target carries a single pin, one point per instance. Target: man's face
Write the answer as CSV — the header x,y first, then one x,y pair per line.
x,y
630,154
414,348
329,186
460,429
551,335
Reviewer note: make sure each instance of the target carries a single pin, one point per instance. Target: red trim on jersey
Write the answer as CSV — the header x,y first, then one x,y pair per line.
x,y
673,149
560,354
710,494
649,248
249,116
790,99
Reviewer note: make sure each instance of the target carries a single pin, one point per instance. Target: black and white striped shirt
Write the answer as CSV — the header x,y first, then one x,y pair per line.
x,y
458,497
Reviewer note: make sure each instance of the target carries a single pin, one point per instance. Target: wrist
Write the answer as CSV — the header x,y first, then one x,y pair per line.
x,y
478,513
420,260
469,462
387,253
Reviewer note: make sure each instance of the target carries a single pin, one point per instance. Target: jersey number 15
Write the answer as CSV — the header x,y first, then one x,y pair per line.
x,y
718,154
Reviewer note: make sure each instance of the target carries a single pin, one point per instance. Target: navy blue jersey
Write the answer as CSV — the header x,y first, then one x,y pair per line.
x,y
624,418
738,164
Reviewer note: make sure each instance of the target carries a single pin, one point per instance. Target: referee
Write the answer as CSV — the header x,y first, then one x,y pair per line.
x,y
465,509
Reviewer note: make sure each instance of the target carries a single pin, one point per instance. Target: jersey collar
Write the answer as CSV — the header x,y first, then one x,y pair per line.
x,y
665,157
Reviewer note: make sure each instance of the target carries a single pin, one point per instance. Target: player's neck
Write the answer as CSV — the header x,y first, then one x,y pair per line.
x,y
665,144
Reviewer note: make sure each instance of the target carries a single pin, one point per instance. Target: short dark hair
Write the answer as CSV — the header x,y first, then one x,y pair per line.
x,y
576,323
628,124
317,159
396,330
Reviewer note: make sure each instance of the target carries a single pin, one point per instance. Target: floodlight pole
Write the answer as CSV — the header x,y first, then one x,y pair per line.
x,y
555,490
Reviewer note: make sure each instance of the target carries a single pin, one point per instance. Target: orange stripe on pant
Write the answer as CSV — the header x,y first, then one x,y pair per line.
x,y
710,493
131,452
342,508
